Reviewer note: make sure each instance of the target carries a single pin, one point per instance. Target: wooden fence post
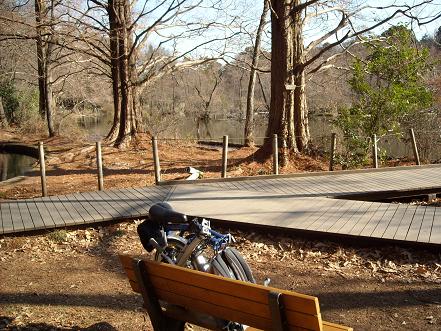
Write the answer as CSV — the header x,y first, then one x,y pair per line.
x,y
224,157
375,151
156,160
414,147
333,144
99,165
275,155
42,170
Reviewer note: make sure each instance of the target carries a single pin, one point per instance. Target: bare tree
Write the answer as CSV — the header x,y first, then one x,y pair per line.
x,y
122,40
337,23
249,117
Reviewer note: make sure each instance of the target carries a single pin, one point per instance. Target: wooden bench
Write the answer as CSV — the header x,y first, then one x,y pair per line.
x,y
175,295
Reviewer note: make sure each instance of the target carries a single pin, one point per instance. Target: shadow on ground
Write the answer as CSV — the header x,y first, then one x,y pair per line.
x,y
6,323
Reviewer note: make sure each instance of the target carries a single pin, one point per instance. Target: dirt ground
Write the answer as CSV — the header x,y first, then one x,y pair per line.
x,y
71,279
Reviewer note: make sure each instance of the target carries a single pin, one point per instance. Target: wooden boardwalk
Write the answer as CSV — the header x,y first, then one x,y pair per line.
x,y
303,202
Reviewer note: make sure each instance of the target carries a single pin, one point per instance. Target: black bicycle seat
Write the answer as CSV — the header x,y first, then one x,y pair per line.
x,y
163,213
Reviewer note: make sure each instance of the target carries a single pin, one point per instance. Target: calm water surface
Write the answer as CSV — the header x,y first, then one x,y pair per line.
x,y
13,165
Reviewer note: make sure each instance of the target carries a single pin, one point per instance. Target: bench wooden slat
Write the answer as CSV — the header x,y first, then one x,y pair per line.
x,y
248,308
296,302
214,310
328,326
225,298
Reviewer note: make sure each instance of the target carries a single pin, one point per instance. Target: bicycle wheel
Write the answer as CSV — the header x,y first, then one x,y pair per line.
x,y
220,268
174,250
238,264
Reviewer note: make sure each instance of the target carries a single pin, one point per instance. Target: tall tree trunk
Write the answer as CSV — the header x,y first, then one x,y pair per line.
x,y
129,116
114,70
3,119
300,107
48,95
249,118
281,117
44,65
39,9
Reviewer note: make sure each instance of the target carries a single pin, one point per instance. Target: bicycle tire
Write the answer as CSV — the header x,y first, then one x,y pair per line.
x,y
234,264
219,267
244,265
171,243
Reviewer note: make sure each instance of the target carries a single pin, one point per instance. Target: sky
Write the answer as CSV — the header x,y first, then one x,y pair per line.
x,y
246,13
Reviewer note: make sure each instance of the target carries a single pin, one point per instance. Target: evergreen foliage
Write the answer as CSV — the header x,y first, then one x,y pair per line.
x,y
388,87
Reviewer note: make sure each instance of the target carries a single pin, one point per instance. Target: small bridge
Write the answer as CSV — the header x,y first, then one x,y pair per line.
x,y
322,204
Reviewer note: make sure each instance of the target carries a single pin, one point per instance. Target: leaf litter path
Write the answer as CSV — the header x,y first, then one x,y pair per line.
x,y
304,202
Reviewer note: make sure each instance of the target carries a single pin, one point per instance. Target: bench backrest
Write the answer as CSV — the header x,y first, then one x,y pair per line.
x,y
225,298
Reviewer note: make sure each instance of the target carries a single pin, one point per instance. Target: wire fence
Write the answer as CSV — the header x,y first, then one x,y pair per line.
x,y
389,149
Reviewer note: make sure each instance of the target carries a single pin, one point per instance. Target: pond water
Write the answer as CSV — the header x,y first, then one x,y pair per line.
x,y
321,128
211,129
13,165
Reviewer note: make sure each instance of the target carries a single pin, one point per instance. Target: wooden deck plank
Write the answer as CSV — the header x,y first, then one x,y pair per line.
x,y
307,220
332,217
44,212
395,222
317,221
81,212
53,211
403,228
141,206
426,226
373,221
103,209
6,218
123,207
435,234
359,225
17,222
64,214
346,216
417,221
150,194
87,206
26,217
75,216
384,222
293,202
351,221
37,219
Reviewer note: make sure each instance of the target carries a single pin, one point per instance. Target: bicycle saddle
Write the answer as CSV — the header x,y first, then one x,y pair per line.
x,y
163,213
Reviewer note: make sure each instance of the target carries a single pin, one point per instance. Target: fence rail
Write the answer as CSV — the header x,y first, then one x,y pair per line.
x,y
275,142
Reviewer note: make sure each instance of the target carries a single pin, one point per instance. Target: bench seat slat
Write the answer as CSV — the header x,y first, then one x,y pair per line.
x,y
328,326
296,302
223,300
215,310
293,301
226,298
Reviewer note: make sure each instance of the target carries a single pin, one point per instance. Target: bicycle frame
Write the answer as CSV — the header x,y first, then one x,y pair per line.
x,y
216,239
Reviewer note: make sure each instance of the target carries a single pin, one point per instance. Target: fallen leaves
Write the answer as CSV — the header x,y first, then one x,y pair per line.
x,y
382,264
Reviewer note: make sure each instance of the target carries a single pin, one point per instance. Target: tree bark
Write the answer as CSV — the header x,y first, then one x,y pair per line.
x,y
281,117
39,8
128,127
44,61
300,107
249,118
3,119
114,70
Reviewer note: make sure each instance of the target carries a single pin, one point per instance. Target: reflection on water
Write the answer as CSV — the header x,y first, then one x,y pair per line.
x,y
12,165
321,128
190,128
